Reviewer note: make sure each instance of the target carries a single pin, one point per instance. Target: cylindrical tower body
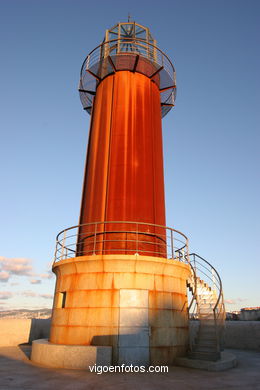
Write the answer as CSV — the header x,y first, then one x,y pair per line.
x,y
124,169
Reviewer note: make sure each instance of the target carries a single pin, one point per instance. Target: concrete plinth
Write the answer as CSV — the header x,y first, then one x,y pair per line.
x,y
227,360
69,356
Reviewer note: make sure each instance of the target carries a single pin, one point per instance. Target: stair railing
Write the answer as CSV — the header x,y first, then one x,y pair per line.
x,y
193,308
202,269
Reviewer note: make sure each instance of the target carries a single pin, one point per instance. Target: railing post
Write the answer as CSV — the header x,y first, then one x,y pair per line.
x,y
56,250
95,239
172,244
213,280
63,244
194,262
183,254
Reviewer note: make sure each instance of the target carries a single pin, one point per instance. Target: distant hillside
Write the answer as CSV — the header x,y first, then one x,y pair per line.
x,y
26,314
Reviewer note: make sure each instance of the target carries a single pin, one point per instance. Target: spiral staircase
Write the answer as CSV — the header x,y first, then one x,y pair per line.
x,y
206,310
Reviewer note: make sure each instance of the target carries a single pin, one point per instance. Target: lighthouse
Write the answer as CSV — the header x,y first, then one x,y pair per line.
x,y
115,285
121,273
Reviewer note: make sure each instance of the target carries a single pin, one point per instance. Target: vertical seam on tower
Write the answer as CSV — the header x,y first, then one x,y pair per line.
x,y
86,163
109,146
154,221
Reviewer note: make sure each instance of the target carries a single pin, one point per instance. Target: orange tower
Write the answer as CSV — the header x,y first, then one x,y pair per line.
x,y
115,285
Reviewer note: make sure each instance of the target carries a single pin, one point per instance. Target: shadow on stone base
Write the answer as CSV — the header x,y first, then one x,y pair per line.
x,y
69,356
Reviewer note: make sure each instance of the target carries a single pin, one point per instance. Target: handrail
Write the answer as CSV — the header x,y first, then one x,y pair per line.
x,y
120,237
219,279
134,40
219,308
194,295
101,62
123,222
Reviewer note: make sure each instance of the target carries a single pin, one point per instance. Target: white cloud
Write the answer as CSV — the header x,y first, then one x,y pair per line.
x,y
235,301
48,275
4,276
46,296
29,294
32,294
6,295
35,281
230,301
16,266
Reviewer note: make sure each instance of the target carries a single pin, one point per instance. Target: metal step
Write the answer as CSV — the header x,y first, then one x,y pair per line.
x,y
207,321
206,342
206,299
206,316
207,333
210,356
207,305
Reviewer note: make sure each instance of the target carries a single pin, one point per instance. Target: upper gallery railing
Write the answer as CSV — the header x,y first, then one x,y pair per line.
x,y
135,55
121,237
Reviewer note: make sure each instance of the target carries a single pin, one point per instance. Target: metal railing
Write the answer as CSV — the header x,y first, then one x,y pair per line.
x,y
135,55
205,273
121,237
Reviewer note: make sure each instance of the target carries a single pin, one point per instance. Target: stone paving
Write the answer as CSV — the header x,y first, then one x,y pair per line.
x,y
17,372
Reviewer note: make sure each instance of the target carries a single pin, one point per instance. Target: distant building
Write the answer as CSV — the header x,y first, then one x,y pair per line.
x,y
232,316
250,314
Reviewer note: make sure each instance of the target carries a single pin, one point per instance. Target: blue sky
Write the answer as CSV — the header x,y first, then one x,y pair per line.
x,y
211,137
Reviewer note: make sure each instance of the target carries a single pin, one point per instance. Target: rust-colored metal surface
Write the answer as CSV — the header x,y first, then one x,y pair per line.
x,y
124,168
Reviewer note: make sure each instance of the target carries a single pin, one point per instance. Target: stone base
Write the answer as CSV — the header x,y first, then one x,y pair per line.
x,y
135,304
227,360
69,356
